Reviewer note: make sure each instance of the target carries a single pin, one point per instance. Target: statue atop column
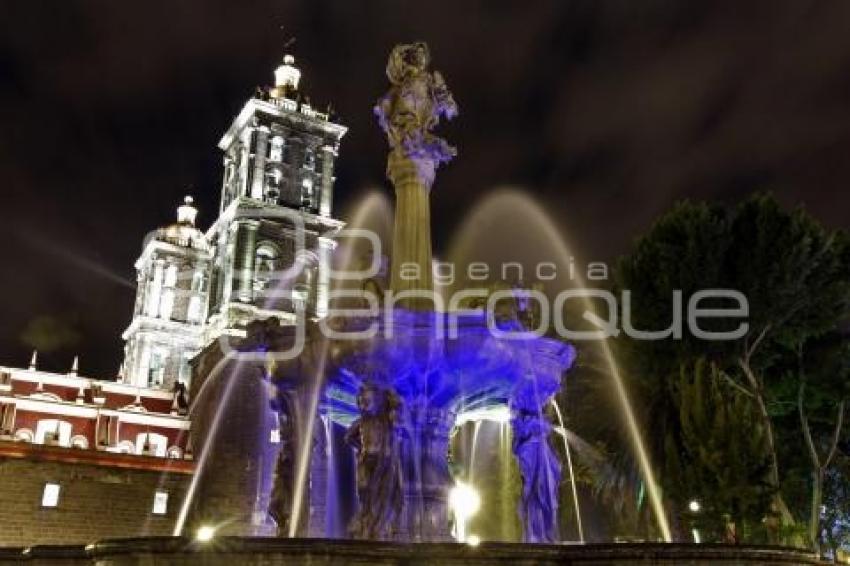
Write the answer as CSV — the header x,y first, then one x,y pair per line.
x,y
414,104
376,437
408,113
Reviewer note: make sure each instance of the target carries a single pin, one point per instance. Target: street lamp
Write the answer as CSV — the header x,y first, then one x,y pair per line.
x,y
695,507
464,502
205,533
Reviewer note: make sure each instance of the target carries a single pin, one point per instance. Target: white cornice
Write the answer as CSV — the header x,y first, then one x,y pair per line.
x,y
255,105
154,245
252,209
142,323
90,412
77,382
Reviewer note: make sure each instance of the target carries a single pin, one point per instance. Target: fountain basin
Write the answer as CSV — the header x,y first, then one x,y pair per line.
x,y
321,552
450,362
440,367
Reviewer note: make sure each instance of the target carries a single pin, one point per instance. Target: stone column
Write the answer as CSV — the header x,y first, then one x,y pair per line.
x,y
8,423
427,477
326,202
202,274
243,259
226,182
411,254
316,501
155,288
143,353
244,149
323,276
258,177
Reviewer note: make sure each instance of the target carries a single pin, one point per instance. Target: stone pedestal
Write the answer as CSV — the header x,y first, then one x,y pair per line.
x,y
427,478
411,253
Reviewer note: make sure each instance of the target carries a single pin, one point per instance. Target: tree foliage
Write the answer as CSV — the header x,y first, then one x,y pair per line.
x,y
796,276
721,459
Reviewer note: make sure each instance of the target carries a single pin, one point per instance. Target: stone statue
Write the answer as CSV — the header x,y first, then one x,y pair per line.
x,y
414,104
280,505
179,399
541,475
376,437
408,113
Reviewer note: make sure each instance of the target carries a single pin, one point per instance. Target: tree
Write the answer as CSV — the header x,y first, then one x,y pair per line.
x,y
823,388
724,461
795,274
797,278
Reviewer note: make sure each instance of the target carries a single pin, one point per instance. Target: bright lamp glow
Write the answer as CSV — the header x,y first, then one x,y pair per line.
x,y
473,540
205,534
694,506
464,502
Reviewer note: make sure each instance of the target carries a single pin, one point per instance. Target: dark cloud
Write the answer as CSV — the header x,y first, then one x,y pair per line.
x,y
605,111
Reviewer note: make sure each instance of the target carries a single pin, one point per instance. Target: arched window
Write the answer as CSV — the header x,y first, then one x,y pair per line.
x,y
175,453
273,179
307,193
24,435
79,441
151,444
156,367
171,276
125,447
194,312
265,264
166,305
276,151
309,160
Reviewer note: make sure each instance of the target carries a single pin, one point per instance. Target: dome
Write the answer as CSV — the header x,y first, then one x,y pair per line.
x,y
183,232
183,235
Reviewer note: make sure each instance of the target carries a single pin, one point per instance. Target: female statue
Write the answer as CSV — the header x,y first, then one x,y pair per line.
x,y
541,474
376,437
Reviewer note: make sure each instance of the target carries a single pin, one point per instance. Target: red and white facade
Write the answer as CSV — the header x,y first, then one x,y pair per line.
x,y
193,287
79,413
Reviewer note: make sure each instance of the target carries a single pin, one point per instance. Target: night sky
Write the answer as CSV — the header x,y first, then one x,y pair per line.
x,y
607,111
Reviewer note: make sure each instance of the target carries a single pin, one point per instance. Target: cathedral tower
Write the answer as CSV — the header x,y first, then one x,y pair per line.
x,y
171,304
272,240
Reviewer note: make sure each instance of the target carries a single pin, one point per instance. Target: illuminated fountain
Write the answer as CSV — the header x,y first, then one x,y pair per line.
x,y
402,376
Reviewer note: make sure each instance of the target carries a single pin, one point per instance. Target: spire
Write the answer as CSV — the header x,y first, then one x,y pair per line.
x,y
187,213
286,78
34,360
75,367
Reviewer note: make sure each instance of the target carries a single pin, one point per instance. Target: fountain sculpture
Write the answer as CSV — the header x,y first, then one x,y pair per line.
x,y
402,390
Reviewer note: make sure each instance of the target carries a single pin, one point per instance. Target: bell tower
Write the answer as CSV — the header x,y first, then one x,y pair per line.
x,y
171,300
272,241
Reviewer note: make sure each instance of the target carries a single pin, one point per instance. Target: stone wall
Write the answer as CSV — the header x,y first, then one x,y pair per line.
x,y
232,423
95,501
